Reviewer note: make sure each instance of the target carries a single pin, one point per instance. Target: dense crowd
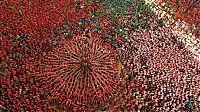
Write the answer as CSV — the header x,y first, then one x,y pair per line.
x,y
158,61
160,73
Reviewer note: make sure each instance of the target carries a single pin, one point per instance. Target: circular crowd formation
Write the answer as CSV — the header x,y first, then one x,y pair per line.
x,y
96,55
80,71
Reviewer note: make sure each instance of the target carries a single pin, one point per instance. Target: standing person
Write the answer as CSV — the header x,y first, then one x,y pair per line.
x,y
188,105
2,107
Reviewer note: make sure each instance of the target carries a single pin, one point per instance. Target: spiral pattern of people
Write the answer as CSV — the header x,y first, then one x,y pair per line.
x,y
99,56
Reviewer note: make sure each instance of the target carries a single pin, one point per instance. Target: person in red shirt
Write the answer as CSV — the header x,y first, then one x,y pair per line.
x,y
2,107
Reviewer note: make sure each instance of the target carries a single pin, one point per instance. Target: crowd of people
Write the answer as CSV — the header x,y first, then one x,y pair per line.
x,y
158,61
160,73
